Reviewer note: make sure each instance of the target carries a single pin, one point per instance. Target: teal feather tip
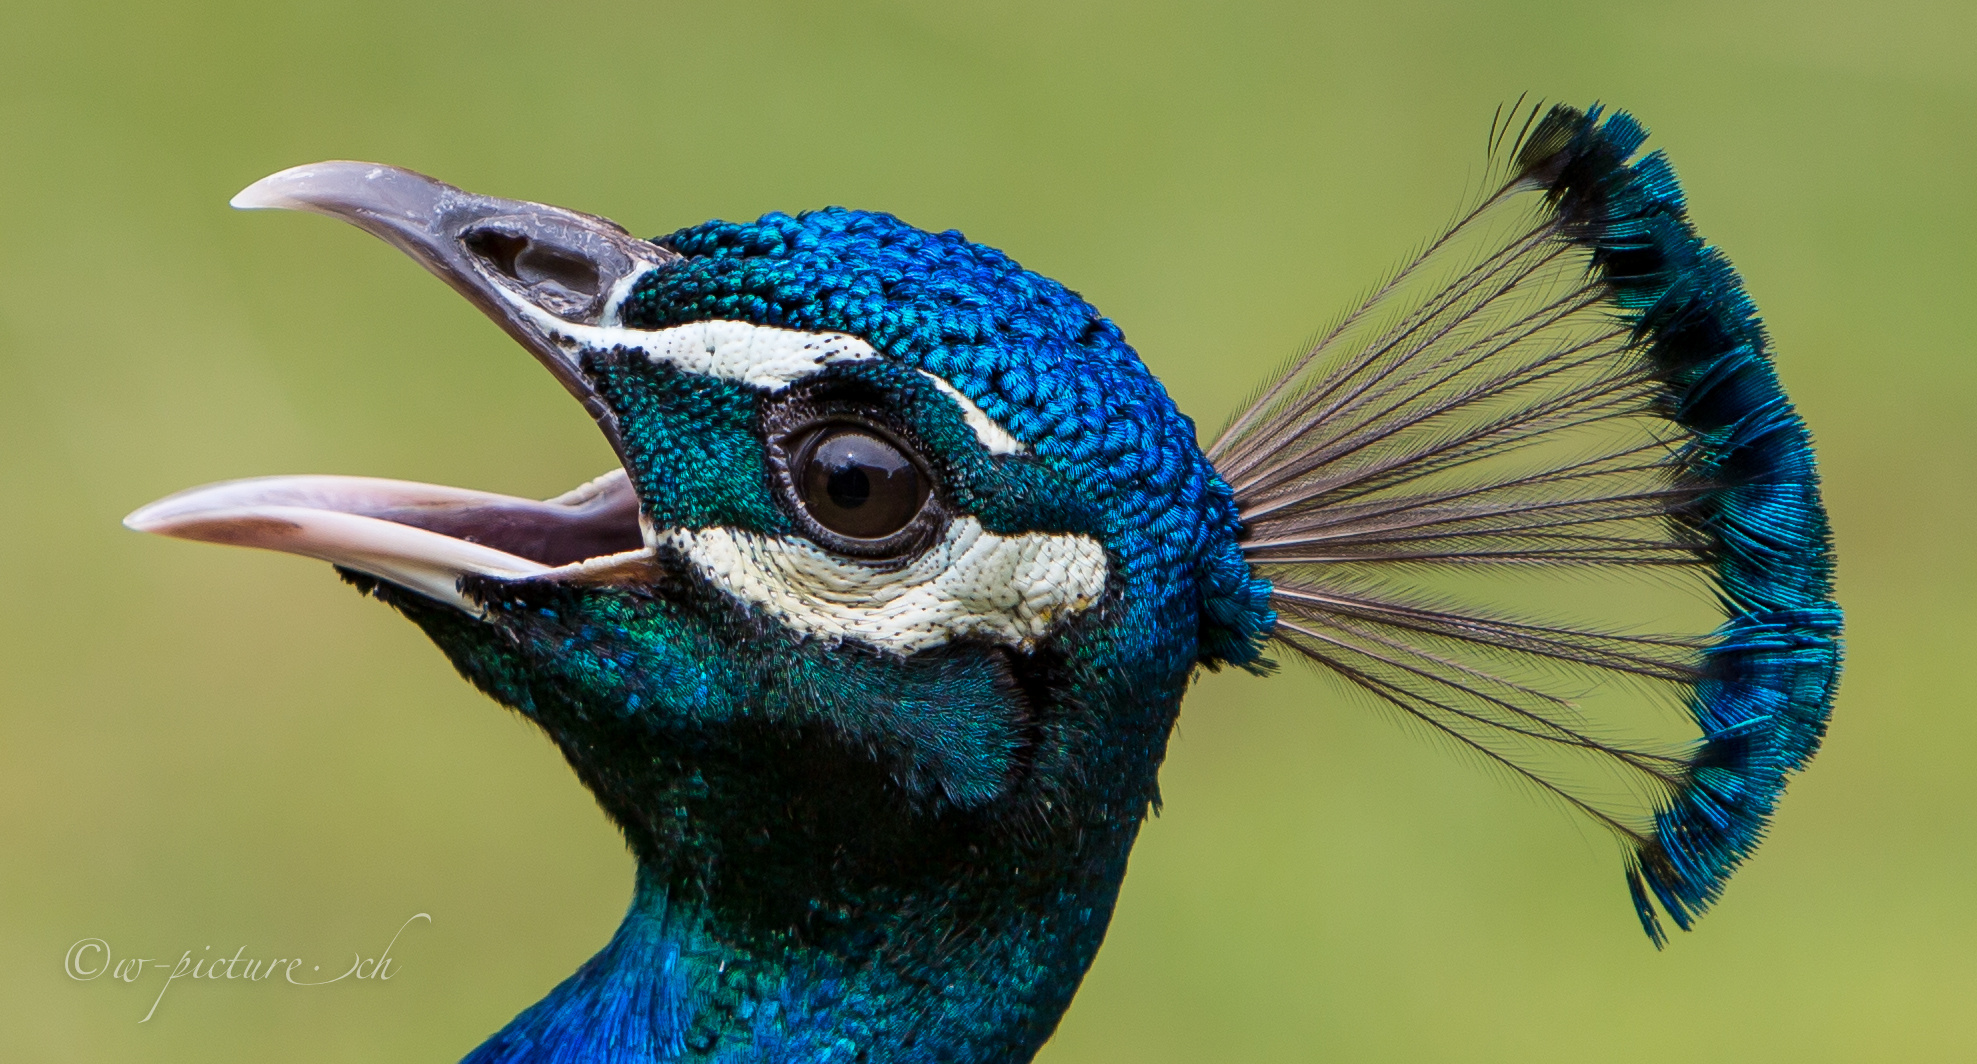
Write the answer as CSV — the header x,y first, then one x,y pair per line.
x,y
1770,673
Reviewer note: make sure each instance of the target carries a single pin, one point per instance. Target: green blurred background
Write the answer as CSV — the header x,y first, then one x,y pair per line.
x,y
209,747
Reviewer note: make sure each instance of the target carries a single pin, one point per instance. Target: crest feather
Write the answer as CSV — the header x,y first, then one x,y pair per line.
x,y
1566,382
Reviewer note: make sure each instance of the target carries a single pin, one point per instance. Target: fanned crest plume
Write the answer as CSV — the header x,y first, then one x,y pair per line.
x,y
1558,421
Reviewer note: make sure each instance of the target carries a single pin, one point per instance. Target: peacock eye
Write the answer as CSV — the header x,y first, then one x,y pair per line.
x,y
857,484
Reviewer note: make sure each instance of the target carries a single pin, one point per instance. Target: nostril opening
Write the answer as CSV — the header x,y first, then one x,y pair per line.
x,y
498,250
534,264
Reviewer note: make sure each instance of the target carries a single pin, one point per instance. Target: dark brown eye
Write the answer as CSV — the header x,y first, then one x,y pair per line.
x,y
857,484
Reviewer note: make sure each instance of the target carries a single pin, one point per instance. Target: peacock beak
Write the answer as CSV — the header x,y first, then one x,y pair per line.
x,y
543,274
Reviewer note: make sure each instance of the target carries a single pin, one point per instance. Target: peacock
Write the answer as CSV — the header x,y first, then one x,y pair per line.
x,y
873,641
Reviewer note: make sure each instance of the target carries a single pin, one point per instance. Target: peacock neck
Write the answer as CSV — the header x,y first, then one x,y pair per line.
x,y
977,971
811,891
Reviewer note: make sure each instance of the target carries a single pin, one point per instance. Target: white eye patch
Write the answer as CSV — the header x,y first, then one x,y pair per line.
x,y
762,356
1010,589
759,355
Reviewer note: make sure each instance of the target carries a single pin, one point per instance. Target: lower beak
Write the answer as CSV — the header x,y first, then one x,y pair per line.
x,y
423,537
531,268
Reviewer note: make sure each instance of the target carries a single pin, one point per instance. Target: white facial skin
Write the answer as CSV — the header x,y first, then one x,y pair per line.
x,y
1006,588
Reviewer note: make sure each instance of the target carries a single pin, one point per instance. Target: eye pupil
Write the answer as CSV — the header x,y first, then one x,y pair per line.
x,y
849,487
857,484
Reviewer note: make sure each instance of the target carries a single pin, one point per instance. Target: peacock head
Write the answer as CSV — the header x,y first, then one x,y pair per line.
x,y
908,555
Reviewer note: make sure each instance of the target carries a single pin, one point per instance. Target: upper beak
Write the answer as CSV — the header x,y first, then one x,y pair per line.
x,y
534,269
525,265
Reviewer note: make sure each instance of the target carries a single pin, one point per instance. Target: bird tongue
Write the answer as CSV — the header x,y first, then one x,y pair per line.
x,y
421,536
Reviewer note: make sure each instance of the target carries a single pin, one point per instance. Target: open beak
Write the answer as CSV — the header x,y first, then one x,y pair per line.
x,y
531,268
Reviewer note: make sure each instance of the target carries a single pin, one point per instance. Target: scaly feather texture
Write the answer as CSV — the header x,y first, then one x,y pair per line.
x,y
1581,385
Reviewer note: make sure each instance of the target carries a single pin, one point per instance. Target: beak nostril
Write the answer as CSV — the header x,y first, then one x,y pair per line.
x,y
537,265
532,263
497,249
